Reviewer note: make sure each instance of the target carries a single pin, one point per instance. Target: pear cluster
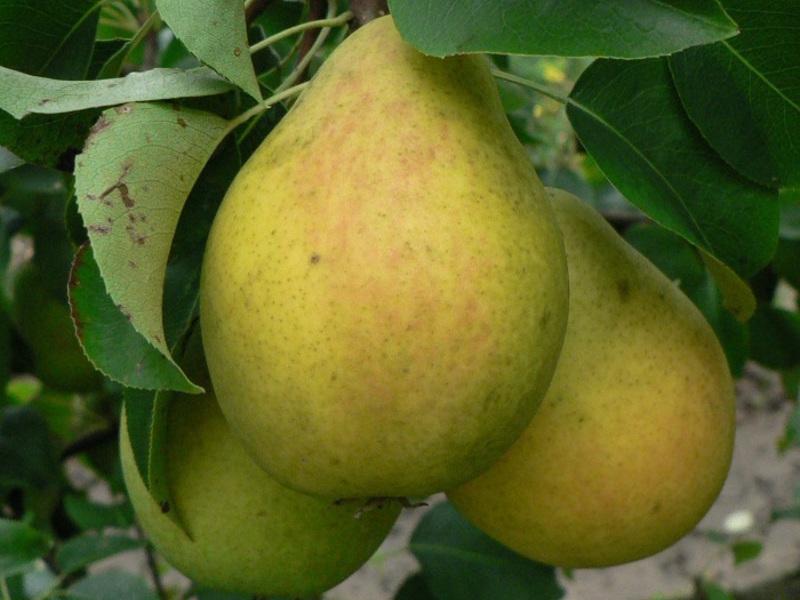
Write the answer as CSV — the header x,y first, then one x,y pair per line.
x,y
392,305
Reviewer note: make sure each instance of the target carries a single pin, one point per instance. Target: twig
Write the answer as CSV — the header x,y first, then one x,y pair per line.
x,y
316,11
544,90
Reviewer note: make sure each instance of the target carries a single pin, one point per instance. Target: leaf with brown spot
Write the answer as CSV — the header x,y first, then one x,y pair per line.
x,y
108,338
130,193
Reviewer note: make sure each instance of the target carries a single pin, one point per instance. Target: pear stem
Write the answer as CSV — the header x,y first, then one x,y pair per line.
x,y
544,90
342,19
262,106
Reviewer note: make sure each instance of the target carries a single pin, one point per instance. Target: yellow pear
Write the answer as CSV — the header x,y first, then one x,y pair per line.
x,y
249,534
384,290
634,438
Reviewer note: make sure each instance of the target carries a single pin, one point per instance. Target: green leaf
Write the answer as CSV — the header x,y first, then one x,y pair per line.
x,y
52,39
108,337
613,28
110,585
414,588
682,263
90,515
28,456
746,550
22,94
713,591
628,116
743,95
20,546
146,419
131,181
48,140
8,160
217,35
460,562
81,551
775,338
182,285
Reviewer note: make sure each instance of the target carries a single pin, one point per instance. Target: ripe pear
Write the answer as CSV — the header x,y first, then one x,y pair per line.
x,y
249,534
384,289
45,325
634,438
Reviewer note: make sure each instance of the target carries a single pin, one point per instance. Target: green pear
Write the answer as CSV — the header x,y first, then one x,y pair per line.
x,y
634,438
249,534
384,290
45,325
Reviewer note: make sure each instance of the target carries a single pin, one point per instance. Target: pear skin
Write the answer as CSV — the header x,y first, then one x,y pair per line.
x,y
634,438
384,290
249,534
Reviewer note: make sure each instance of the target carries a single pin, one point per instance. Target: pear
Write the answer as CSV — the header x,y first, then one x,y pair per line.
x,y
633,440
384,290
44,324
249,534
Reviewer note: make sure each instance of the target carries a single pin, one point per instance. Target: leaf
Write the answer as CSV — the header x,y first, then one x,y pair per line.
x,y
131,181
52,39
743,95
460,562
713,591
629,118
775,338
20,546
146,419
8,160
182,284
108,338
22,94
81,551
414,588
614,28
110,585
27,454
90,515
746,550
217,35
739,298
